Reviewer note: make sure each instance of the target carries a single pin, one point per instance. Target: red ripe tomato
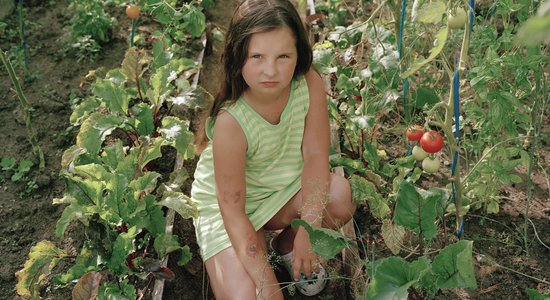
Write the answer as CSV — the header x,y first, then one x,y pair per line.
x,y
431,141
414,133
132,11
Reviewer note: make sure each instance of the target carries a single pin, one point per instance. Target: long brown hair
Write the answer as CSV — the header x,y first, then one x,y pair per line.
x,y
253,16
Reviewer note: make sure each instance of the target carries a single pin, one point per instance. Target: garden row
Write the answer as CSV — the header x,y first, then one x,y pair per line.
x,y
120,177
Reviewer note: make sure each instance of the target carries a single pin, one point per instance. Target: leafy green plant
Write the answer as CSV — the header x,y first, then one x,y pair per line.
x,y
85,48
113,186
90,19
19,170
180,23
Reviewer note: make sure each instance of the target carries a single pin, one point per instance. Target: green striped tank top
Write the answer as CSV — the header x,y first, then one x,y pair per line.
x,y
274,166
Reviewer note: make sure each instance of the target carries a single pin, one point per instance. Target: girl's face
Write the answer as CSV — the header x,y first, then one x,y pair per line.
x,y
270,63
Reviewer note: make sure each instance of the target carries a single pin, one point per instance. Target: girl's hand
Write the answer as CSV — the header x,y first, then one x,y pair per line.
x,y
304,259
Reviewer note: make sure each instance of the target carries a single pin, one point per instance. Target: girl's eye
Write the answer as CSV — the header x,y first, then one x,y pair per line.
x,y
256,56
284,56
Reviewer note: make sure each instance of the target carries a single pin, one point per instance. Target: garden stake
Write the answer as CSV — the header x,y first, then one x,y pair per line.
x,y
535,129
26,110
399,51
132,33
22,37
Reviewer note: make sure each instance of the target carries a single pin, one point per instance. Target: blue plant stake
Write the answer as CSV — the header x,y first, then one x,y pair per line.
x,y
133,32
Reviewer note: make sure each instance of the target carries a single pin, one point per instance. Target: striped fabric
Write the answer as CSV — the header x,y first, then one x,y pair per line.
x,y
273,168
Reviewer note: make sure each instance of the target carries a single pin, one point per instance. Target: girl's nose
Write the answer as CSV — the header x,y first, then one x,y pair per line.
x,y
270,69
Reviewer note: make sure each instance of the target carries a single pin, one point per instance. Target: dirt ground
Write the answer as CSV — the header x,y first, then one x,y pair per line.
x,y
29,219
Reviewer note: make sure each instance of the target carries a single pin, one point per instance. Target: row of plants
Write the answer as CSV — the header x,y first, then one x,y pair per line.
x,y
420,76
118,174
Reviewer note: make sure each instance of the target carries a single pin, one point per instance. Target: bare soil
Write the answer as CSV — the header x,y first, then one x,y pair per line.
x,y
503,269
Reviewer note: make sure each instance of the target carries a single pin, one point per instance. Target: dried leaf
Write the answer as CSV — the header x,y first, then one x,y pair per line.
x,y
87,286
393,235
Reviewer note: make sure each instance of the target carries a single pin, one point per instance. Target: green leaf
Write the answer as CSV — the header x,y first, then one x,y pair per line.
x,y
124,245
454,266
143,119
117,291
83,109
42,259
180,203
424,96
149,216
176,131
114,209
150,151
350,165
415,212
371,156
195,21
362,190
87,260
323,59
112,154
160,55
440,40
72,212
87,286
533,294
394,276
8,163
92,171
159,81
69,156
128,165
94,130
185,256
114,96
144,184
166,243
432,12
325,242
85,191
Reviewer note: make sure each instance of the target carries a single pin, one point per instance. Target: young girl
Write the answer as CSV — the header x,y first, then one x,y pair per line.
x,y
266,159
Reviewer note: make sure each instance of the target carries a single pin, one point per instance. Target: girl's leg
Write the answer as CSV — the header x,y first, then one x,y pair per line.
x,y
339,211
228,277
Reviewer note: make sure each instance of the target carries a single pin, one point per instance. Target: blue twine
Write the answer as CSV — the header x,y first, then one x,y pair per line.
x,y
456,101
472,6
404,96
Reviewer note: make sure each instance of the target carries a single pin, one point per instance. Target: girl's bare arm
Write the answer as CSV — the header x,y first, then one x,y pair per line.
x,y
229,148
315,177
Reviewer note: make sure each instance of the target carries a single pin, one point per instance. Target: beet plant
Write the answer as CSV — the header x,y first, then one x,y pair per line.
x,y
113,189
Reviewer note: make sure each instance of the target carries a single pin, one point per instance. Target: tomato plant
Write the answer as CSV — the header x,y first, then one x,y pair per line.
x,y
431,141
430,164
414,132
418,153
457,18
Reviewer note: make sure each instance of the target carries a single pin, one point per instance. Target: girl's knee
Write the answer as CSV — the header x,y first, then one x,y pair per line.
x,y
340,205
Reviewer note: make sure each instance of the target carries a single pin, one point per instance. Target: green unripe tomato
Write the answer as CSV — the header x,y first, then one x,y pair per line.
x,y
430,164
418,153
457,18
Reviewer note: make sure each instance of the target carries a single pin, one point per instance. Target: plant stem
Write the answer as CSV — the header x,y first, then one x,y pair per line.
x,y
26,110
22,37
420,228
